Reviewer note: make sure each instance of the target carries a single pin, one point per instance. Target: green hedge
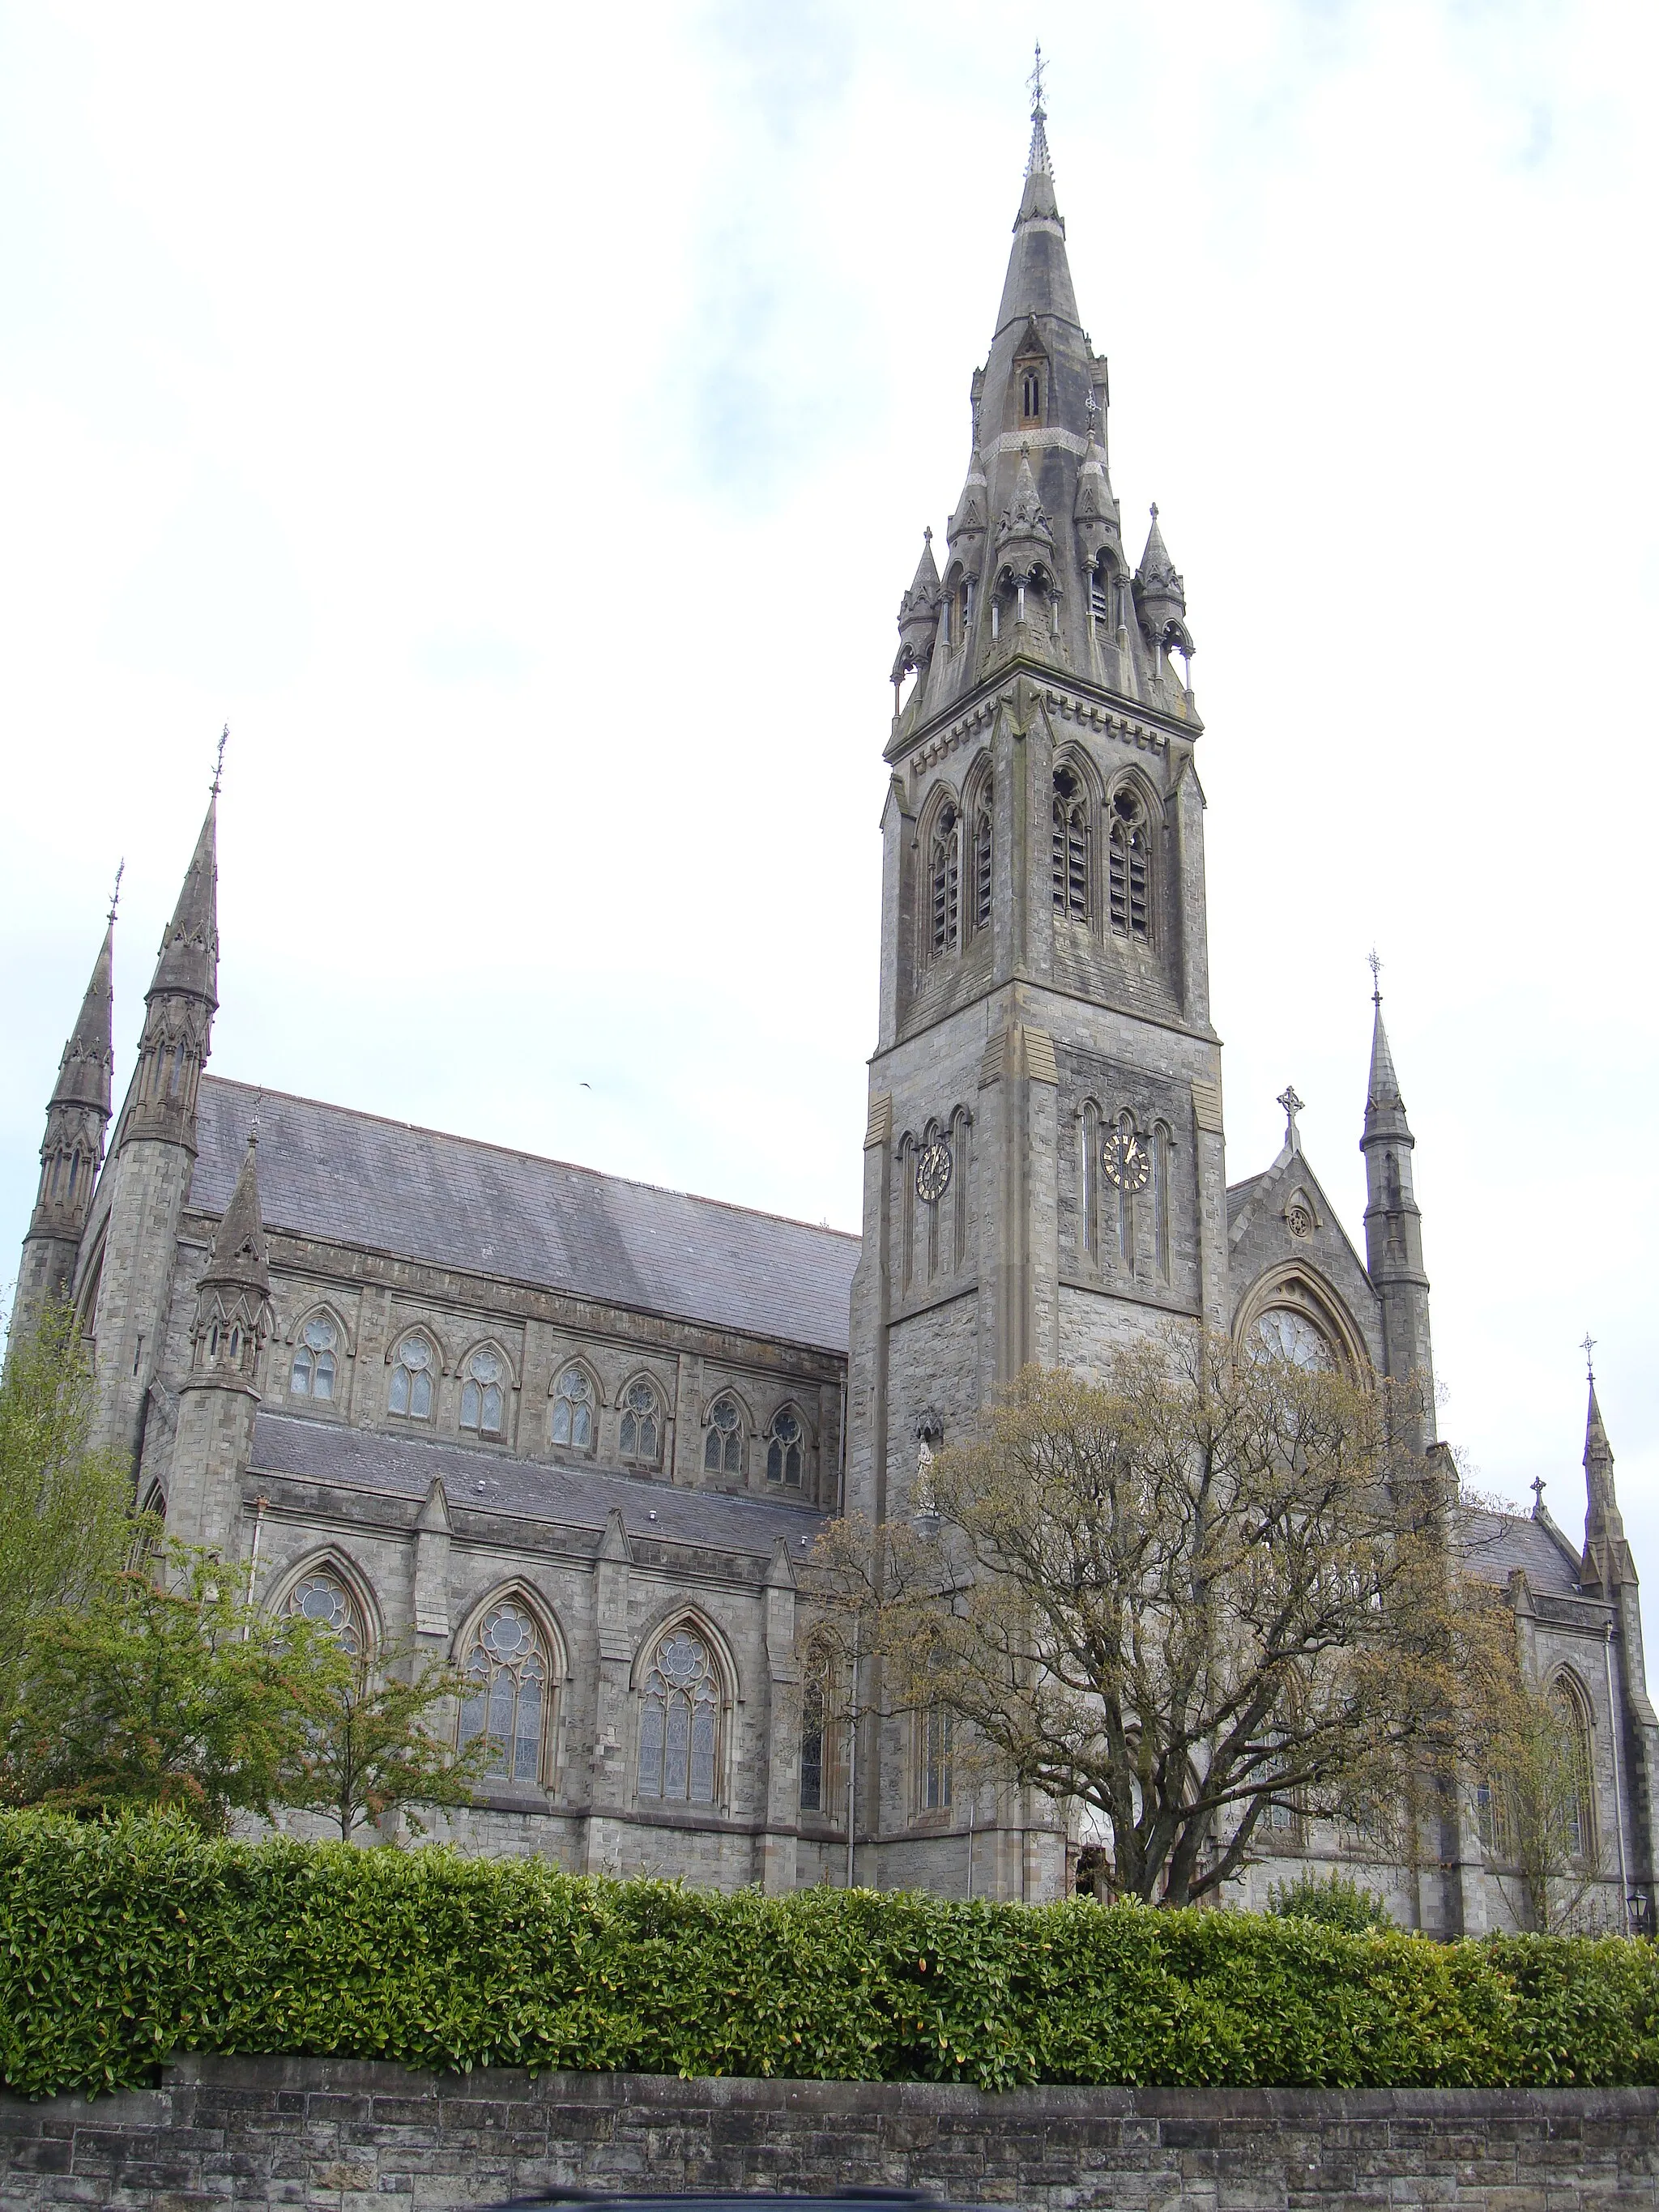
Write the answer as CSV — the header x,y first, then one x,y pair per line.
x,y
121,1945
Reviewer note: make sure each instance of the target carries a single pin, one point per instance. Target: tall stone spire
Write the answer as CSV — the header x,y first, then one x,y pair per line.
x,y
1607,1564
180,1004
1394,1226
72,1150
155,1150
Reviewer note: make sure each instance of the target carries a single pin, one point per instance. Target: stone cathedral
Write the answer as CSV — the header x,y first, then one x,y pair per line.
x,y
577,1433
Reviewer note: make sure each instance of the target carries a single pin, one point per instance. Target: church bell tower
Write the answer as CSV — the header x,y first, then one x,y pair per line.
x,y
1043,1157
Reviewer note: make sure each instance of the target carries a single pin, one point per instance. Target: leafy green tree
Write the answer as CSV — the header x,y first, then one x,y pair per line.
x,y
164,1693
370,1746
66,1518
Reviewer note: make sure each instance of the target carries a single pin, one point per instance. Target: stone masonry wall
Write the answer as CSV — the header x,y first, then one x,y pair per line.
x,y
265,2132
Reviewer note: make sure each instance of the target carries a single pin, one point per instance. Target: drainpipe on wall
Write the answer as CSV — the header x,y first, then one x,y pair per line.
x,y
259,1505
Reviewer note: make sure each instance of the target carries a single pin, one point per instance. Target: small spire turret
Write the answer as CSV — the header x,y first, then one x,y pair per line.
x,y
1161,597
233,1315
918,615
181,1001
1607,1565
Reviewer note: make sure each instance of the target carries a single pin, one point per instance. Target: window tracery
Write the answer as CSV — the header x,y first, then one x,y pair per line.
x,y
311,1375
573,1410
785,1451
481,1395
1283,1332
945,877
1071,846
722,1450
323,1599
680,1721
508,1668
640,1424
1127,871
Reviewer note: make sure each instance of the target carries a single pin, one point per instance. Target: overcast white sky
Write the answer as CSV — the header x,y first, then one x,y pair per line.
x,y
518,423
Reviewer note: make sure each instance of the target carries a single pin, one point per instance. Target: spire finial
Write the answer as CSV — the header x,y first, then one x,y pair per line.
x,y
1154,510
219,758
1587,1348
1373,962
1036,161
115,894
1537,1497
1292,1105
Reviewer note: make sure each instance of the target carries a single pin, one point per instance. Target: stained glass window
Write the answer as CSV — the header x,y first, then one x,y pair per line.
x,y
312,1372
507,1703
411,1379
481,1395
722,1450
679,1722
573,1410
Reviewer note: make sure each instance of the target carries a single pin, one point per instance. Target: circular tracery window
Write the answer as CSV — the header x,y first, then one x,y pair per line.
x,y
1284,1333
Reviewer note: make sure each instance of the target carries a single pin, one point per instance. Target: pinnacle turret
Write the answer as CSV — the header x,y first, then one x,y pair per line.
x,y
188,962
1606,1563
1394,1224
234,1313
72,1150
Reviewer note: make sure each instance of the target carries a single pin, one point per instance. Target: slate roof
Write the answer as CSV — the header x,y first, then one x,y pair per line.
x,y
1494,1544
1239,1194
489,1482
328,1172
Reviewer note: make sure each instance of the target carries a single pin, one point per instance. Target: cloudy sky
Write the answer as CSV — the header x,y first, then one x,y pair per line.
x,y
519,422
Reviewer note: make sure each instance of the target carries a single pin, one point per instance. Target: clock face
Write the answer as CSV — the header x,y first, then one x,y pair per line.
x,y
1127,1161
933,1172
1292,1336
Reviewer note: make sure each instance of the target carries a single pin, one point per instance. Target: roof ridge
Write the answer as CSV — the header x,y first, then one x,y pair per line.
x,y
518,1152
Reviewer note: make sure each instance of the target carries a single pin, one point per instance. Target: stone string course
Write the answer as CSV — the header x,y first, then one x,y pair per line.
x,y
355,2135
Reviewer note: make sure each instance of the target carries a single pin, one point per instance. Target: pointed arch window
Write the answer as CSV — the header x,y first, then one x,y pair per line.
x,y
785,1451
722,1447
506,1702
1129,871
935,1734
680,1721
822,1783
945,878
311,1375
641,1424
1071,847
324,1600
1031,393
410,1393
1578,1809
573,1410
984,854
481,1395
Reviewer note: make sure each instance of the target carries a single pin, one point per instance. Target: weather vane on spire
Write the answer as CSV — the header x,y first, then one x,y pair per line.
x,y
1373,962
1035,84
1589,1348
1038,163
115,895
219,758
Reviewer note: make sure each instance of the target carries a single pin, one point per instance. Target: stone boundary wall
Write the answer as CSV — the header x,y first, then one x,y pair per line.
x,y
355,2135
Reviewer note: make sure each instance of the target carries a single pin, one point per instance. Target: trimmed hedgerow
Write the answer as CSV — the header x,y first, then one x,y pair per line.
x,y
123,1944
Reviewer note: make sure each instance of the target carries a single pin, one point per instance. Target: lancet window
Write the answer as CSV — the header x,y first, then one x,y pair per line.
x,y
982,856
1128,874
822,1785
945,879
1580,1805
785,1451
481,1395
680,1721
311,1375
573,1410
411,1379
934,1742
1071,847
508,1696
640,1439
722,1447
